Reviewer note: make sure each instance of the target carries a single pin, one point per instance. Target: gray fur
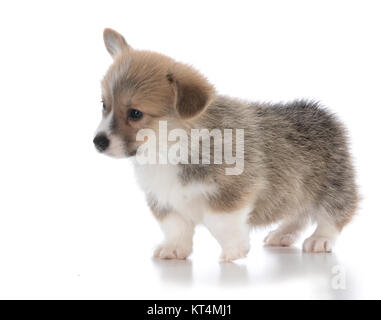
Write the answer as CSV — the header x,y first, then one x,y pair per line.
x,y
296,160
297,164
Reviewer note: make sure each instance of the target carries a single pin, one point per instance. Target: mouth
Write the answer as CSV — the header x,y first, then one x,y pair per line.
x,y
131,154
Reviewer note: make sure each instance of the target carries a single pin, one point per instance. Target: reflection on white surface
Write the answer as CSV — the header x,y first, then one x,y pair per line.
x,y
177,271
106,254
292,273
233,274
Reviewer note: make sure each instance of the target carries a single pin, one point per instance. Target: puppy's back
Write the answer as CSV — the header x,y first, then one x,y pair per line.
x,y
305,149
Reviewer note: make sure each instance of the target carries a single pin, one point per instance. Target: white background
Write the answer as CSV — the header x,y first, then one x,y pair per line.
x,y
73,223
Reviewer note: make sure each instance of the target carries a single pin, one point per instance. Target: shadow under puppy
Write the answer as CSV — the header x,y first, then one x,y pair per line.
x,y
295,165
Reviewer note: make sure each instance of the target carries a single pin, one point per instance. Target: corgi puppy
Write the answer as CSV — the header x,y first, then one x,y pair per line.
x,y
259,164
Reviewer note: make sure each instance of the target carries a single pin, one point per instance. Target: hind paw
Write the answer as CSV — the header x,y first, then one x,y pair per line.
x,y
276,239
318,244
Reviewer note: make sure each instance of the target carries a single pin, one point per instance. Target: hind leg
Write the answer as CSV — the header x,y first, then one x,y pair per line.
x,y
324,237
287,233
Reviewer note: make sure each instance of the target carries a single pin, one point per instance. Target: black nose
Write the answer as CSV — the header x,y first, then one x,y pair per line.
x,y
101,142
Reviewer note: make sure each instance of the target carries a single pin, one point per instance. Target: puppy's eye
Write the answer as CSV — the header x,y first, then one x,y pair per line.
x,y
103,106
134,114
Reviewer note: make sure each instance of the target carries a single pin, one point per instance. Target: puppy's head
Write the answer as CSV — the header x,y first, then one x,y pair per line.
x,y
140,89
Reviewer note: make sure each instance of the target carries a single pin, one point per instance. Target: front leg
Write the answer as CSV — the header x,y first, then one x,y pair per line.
x,y
178,236
231,231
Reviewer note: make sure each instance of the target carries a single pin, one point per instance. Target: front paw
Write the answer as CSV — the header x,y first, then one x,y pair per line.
x,y
231,254
172,251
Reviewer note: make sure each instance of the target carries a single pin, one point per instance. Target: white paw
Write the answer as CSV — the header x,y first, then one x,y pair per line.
x,y
277,239
170,251
229,255
317,244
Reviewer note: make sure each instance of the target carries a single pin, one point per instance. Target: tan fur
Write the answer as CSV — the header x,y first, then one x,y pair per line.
x,y
154,84
296,157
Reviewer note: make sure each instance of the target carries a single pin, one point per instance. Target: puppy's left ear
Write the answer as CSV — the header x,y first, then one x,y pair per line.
x,y
114,42
193,92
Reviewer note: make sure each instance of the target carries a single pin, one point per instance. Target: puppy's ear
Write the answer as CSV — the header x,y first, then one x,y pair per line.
x,y
193,92
114,42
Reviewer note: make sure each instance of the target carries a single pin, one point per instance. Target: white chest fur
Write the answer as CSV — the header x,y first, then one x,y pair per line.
x,y
163,183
